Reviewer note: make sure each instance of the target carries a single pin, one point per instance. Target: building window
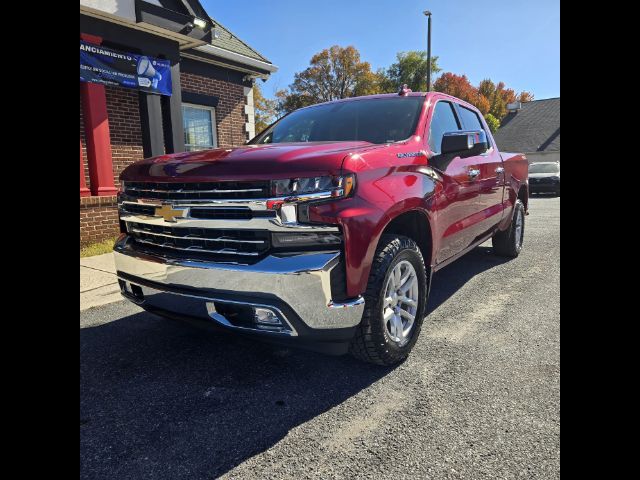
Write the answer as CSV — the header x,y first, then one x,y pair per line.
x,y
199,127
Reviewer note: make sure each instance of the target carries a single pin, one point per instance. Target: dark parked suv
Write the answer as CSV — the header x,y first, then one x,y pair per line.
x,y
544,177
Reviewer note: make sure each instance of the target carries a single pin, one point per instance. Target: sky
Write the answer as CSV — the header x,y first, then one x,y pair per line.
x,y
514,41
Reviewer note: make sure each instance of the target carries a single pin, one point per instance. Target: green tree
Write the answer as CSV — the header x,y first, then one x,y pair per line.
x,y
334,73
492,121
265,110
370,83
410,68
487,88
498,97
287,101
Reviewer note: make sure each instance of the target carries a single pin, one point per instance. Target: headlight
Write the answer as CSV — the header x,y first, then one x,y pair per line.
x,y
333,186
292,197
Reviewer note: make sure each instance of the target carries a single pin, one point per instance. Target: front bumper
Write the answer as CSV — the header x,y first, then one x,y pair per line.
x,y
296,286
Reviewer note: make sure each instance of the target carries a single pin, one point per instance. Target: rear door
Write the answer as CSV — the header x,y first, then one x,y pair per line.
x,y
457,201
486,171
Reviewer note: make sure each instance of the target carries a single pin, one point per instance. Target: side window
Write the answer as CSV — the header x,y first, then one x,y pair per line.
x,y
443,120
470,119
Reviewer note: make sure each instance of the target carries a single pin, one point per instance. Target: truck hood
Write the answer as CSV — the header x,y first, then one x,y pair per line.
x,y
249,162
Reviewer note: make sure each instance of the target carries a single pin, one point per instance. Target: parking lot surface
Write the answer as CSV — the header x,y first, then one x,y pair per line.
x,y
478,398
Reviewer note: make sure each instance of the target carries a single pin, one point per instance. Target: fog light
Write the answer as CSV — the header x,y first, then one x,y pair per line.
x,y
266,317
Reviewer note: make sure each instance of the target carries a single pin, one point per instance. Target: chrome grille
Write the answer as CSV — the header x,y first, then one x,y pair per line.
x,y
208,213
209,221
249,243
197,191
138,209
221,213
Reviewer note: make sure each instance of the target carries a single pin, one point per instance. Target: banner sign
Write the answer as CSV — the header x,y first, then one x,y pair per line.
x,y
110,67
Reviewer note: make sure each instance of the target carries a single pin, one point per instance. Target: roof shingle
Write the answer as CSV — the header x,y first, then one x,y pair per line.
x,y
229,41
535,128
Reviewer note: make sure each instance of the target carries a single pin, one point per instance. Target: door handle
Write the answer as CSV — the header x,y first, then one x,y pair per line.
x,y
473,173
499,170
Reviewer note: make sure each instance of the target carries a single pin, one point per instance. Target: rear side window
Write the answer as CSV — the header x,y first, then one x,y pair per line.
x,y
443,120
470,119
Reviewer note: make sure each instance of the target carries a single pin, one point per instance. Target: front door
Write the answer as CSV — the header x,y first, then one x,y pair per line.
x,y
457,201
487,173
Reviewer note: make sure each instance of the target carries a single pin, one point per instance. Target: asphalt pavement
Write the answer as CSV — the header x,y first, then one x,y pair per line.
x,y
479,397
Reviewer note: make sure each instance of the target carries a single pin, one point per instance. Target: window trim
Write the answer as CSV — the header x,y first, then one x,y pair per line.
x,y
214,127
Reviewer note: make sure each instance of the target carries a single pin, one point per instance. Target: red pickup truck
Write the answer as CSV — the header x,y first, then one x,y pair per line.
x,y
326,229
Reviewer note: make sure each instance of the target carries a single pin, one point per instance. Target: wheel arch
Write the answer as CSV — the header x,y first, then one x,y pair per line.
x,y
414,224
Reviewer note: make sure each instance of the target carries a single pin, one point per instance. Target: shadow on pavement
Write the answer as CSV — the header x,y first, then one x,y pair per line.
x,y
161,399
451,278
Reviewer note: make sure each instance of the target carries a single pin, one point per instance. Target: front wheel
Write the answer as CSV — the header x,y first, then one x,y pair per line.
x,y
395,303
508,243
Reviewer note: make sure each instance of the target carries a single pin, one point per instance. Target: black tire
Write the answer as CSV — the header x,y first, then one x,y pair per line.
x,y
505,242
372,342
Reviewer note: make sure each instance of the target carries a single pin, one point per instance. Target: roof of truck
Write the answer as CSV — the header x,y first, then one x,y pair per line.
x,y
394,95
387,95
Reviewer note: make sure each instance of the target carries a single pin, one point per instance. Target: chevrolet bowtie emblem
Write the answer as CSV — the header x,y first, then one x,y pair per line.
x,y
170,214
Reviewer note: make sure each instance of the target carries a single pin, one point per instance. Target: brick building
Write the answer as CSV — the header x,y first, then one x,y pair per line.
x,y
206,99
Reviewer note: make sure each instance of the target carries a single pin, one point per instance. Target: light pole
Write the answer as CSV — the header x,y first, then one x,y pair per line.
x,y
428,14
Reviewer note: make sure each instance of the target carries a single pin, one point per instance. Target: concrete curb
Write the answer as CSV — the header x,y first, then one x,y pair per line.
x,y
98,281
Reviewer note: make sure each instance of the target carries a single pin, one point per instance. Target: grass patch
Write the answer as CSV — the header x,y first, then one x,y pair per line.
x,y
99,248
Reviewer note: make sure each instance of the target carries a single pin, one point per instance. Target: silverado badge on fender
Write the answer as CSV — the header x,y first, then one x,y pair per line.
x,y
411,154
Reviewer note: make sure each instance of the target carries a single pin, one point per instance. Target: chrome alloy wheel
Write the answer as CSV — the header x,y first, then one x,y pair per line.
x,y
519,224
400,302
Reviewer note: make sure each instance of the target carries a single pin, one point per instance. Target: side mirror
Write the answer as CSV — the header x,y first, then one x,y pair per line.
x,y
465,144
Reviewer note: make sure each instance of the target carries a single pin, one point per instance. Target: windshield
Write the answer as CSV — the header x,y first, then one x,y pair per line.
x,y
544,168
375,120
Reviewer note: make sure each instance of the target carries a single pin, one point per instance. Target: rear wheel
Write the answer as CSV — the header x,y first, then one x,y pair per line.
x,y
508,243
395,303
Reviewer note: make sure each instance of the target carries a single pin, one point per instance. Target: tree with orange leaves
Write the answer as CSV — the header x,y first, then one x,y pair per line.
x,y
489,98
